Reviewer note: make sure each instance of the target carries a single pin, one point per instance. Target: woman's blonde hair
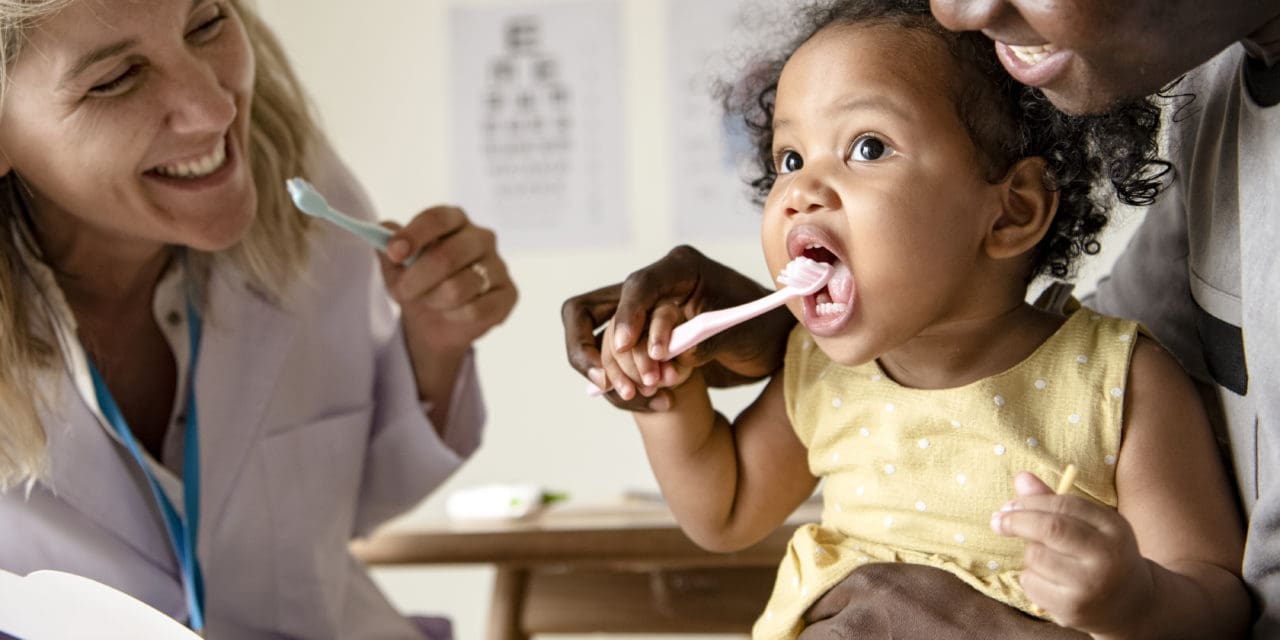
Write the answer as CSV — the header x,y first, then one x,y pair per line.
x,y
273,252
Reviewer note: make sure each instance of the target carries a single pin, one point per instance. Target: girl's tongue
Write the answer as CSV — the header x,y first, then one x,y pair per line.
x,y
836,299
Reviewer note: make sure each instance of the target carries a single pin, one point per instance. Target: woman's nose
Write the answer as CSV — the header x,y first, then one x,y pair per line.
x,y
198,102
968,15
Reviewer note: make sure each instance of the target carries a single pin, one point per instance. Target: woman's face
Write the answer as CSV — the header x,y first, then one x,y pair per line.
x,y
877,175
128,121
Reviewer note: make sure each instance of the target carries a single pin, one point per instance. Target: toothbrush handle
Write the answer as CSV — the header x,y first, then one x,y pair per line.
x,y
375,235
705,325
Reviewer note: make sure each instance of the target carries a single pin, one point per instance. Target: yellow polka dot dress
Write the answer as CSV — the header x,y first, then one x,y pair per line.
x,y
913,475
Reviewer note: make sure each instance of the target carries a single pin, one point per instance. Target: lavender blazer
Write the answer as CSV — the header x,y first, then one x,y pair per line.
x,y
311,434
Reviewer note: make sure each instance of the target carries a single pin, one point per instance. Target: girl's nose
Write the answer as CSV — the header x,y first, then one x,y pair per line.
x,y
811,192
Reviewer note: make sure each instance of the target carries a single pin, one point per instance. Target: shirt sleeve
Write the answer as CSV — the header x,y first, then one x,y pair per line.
x,y
407,456
1150,282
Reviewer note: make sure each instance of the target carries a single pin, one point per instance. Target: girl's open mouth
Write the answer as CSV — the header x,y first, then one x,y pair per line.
x,y
827,310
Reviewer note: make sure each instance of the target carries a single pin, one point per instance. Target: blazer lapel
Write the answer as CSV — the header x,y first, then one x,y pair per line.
x,y
246,338
87,471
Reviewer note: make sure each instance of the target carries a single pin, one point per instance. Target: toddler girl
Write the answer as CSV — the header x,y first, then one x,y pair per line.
x,y
919,383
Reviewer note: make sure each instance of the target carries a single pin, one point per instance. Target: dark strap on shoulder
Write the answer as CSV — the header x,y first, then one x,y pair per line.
x,y
1262,82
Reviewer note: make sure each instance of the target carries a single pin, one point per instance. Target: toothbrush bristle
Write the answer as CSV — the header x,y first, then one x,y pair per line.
x,y
804,273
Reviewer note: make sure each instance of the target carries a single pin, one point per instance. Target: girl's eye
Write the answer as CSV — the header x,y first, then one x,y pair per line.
x,y
789,161
869,148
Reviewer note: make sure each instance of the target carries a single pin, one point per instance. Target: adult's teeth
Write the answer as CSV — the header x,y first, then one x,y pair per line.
x,y
1033,54
197,168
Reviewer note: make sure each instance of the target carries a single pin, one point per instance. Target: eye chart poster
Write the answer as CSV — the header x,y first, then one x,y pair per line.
x,y
709,41
537,102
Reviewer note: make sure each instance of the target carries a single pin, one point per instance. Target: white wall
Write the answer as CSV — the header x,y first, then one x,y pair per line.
x,y
378,72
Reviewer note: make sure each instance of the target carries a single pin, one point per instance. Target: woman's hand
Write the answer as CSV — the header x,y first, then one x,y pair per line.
x,y
651,302
1082,560
455,290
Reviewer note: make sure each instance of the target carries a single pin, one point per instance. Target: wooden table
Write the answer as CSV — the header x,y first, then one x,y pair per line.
x,y
624,568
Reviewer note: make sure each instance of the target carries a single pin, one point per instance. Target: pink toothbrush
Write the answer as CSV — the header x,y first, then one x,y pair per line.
x,y
801,277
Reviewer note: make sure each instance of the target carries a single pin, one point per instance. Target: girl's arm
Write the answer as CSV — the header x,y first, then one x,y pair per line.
x,y
1174,490
1167,565
728,485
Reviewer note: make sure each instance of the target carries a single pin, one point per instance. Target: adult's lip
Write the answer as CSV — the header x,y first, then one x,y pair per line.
x,y
228,166
1035,65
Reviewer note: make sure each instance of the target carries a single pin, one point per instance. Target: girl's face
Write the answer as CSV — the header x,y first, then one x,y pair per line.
x,y
877,175
128,120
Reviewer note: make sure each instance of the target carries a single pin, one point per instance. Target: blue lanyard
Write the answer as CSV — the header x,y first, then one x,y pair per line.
x,y
182,536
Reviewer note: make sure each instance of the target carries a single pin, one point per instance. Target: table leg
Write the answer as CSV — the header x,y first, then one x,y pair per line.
x,y
510,586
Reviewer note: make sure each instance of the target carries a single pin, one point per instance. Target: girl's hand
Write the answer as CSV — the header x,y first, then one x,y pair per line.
x,y
689,282
634,371
1082,560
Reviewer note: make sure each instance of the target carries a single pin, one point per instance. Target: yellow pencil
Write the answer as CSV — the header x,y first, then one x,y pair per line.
x,y
1068,477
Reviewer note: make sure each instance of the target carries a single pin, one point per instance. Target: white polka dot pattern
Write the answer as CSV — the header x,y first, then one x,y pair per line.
x,y
924,460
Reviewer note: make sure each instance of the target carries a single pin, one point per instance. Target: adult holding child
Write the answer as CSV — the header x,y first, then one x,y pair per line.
x,y
1201,271
203,395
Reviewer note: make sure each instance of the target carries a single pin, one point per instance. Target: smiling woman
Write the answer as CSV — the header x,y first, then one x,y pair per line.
x,y
181,433
57,104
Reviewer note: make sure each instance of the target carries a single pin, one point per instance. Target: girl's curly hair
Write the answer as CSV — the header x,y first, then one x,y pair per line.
x,y
1007,121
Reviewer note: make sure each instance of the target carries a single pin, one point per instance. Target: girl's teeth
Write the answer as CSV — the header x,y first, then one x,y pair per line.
x,y
1032,55
830,308
197,168
823,305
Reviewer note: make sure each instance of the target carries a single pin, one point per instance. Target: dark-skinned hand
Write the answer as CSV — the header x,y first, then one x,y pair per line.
x,y
883,601
650,303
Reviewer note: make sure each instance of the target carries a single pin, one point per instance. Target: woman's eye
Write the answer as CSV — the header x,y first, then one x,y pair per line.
x,y
869,148
789,161
208,28
116,84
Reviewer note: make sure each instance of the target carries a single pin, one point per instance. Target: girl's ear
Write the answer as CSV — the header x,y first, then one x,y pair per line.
x,y
1027,208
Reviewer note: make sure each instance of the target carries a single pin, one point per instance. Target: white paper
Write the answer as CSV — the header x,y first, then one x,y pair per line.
x,y
52,605
708,41
537,107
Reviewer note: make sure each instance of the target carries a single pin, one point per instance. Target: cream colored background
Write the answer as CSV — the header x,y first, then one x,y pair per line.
x,y
378,72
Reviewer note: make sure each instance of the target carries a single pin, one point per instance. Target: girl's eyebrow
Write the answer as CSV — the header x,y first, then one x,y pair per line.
x,y
876,102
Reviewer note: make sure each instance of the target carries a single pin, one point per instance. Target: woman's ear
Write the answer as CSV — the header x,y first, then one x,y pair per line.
x,y
1027,208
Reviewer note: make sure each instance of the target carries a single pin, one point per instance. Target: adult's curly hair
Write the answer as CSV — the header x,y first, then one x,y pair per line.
x,y
1087,157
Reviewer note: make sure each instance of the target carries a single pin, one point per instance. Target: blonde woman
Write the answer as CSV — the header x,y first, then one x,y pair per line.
x,y
202,397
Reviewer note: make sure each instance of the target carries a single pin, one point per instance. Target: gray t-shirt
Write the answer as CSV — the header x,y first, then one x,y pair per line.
x,y
1203,273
